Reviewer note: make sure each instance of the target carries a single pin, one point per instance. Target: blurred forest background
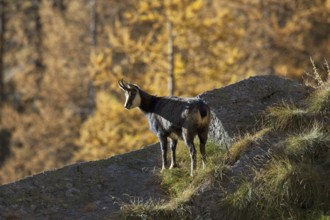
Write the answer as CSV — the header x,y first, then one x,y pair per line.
x,y
60,61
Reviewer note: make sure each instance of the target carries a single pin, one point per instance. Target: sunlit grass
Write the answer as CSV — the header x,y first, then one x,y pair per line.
x,y
138,209
179,185
293,184
285,116
287,189
287,182
243,144
237,205
319,101
310,143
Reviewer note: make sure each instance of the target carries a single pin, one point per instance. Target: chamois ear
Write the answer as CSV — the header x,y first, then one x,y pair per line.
x,y
133,86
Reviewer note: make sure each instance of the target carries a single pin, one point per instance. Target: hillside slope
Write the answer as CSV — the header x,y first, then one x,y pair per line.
x,y
95,190
91,189
279,170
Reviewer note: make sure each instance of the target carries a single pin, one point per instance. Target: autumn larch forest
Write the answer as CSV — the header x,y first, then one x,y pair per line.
x,y
60,61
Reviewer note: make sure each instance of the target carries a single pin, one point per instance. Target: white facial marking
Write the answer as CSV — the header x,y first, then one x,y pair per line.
x,y
132,100
137,100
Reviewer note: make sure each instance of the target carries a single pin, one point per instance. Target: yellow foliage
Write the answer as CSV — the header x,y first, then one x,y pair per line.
x,y
214,44
112,130
193,8
200,63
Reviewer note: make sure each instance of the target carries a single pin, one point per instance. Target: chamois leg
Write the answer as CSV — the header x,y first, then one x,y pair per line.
x,y
173,157
202,140
189,141
163,146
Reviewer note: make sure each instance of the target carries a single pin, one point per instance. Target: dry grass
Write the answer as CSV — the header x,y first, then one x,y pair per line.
x,y
237,205
285,116
293,184
319,101
308,144
181,187
240,146
283,190
318,78
288,189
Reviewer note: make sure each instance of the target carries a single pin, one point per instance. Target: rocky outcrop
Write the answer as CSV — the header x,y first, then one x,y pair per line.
x,y
94,190
237,108
90,190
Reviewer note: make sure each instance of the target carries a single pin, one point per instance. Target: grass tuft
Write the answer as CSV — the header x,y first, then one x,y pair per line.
x,y
181,187
319,101
293,183
289,188
138,209
316,78
284,190
310,144
239,205
285,116
243,144
316,75
151,210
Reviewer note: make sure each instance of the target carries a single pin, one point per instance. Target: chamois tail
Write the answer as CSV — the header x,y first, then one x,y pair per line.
x,y
203,109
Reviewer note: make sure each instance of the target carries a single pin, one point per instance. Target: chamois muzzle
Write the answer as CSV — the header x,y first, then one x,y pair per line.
x,y
127,106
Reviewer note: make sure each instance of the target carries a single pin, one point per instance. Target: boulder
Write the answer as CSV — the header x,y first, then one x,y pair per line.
x,y
237,109
89,190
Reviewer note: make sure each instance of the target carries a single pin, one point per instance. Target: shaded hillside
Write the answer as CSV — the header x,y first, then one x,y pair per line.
x,y
92,190
131,182
279,171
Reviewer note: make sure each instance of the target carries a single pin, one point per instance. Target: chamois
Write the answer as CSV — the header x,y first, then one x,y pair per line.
x,y
172,118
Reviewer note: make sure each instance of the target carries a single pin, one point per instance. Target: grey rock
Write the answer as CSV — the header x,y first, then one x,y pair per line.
x,y
72,192
238,108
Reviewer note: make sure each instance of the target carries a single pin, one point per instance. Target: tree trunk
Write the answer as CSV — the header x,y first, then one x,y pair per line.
x,y
171,80
264,7
2,47
38,42
58,4
93,32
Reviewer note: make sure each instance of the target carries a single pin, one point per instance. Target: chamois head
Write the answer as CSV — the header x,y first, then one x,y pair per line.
x,y
133,98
